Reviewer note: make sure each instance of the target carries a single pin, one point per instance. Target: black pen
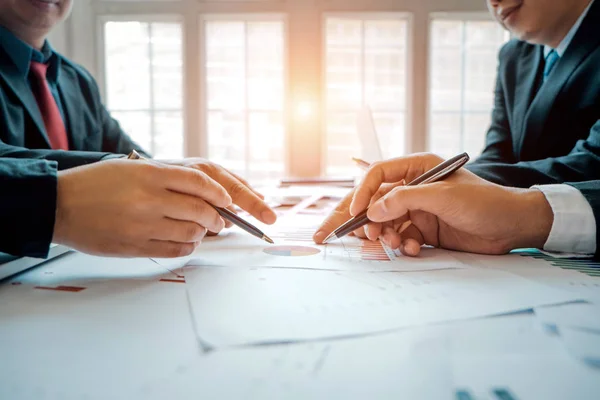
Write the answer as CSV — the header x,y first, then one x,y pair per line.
x,y
435,174
223,212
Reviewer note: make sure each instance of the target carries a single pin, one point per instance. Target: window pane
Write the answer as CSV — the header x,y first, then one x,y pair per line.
x,y
227,144
342,143
463,68
365,66
146,94
167,66
442,134
265,65
137,125
127,82
245,93
168,138
225,55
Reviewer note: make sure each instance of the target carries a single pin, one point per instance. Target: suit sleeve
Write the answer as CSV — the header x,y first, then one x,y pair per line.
x,y
498,144
591,191
64,159
27,206
581,164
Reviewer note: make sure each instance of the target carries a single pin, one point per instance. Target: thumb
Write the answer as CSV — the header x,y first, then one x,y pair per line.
x,y
402,199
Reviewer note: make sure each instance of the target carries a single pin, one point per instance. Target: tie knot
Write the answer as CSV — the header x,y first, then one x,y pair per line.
x,y
38,69
551,60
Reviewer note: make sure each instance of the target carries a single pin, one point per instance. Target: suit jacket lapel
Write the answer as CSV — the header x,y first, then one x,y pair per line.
x,y
70,91
585,41
527,81
20,87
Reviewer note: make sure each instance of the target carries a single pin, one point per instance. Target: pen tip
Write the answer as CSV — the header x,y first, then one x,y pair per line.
x,y
268,239
329,238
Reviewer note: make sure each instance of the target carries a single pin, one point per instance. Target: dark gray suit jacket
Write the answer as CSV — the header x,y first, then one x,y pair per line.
x,y
591,191
546,133
93,133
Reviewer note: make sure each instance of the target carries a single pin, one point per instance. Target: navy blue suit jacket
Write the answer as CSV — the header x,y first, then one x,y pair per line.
x,y
546,133
591,191
93,134
27,206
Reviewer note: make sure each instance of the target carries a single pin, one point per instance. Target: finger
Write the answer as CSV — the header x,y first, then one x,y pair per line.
x,y
410,247
373,231
178,231
167,249
390,171
385,189
183,207
245,182
244,197
390,237
360,233
334,220
429,198
193,182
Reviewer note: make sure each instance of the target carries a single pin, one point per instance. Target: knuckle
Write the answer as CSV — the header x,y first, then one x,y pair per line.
x,y
237,190
198,208
191,231
175,250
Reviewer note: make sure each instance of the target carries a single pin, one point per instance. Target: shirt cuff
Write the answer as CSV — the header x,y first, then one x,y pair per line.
x,y
574,226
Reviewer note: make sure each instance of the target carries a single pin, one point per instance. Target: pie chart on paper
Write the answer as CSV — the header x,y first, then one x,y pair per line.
x,y
291,251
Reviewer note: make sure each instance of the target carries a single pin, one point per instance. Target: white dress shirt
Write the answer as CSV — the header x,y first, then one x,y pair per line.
x,y
574,226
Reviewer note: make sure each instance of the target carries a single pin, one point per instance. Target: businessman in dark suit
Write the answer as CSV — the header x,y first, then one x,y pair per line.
x,y
546,119
46,101
50,109
468,213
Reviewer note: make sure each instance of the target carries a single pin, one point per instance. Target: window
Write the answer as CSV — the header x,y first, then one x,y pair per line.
x,y
272,88
464,56
244,75
143,74
365,66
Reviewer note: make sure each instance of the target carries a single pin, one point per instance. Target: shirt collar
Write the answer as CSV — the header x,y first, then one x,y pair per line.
x,y
22,54
562,47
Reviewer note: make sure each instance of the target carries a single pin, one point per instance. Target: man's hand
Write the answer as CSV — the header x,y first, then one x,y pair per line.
x,y
240,191
462,213
136,209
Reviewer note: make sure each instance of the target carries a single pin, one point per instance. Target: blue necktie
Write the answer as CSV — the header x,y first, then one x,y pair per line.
x,y
551,60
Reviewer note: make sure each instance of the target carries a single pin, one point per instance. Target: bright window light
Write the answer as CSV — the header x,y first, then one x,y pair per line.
x,y
464,57
143,63
245,96
365,66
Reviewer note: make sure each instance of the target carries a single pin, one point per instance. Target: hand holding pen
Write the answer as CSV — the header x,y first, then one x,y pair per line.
x,y
224,178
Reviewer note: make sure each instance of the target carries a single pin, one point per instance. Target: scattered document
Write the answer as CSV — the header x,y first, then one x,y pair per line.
x,y
107,341
240,306
578,316
493,358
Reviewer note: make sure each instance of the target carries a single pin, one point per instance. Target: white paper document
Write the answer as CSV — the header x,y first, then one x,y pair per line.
x,y
92,340
238,306
294,248
578,316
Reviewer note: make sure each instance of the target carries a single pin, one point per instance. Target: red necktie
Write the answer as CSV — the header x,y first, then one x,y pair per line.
x,y
55,126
